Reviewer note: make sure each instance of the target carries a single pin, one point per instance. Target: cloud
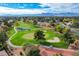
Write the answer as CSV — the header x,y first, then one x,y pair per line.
x,y
62,7
6,10
52,8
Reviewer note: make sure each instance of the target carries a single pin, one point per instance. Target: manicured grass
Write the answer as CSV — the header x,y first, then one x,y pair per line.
x,y
61,44
20,41
19,37
50,34
26,25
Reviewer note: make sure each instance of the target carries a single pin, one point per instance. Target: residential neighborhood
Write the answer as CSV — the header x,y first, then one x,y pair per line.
x,y
53,38
39,29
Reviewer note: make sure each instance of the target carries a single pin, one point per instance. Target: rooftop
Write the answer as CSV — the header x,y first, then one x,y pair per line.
x,y
3,53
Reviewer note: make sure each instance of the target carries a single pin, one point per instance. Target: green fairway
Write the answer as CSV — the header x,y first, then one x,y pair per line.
x,y
26,36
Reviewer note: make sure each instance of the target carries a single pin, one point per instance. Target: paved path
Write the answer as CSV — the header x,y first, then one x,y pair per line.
x,y
9,43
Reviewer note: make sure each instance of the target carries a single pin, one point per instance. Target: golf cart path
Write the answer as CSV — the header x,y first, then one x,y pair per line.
x,y
9,42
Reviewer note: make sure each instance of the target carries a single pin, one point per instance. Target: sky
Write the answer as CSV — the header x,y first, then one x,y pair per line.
x,y
39,8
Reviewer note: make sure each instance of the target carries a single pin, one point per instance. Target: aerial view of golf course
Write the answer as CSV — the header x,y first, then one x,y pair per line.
x,y
36,29
24,32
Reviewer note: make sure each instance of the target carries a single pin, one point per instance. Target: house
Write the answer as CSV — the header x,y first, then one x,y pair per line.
x,y
75,45
3,53
51,51
44,24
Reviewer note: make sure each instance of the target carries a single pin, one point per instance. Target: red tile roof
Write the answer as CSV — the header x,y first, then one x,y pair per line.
x,y
50,51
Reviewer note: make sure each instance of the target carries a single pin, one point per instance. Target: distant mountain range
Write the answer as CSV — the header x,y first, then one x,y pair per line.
x,y
61,14
43,14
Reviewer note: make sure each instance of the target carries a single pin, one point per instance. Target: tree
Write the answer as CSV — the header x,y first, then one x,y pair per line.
x,y
3,37
16,23
31,50
6,23
21,53
59,28
65,29
52,23
1,47
39,35
35,22
35,52
75,25
68,37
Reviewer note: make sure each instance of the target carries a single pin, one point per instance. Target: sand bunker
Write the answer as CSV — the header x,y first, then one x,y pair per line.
x,y
55,39
29,36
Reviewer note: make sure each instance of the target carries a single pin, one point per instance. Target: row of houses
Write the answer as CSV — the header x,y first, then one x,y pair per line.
x,y
52,51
